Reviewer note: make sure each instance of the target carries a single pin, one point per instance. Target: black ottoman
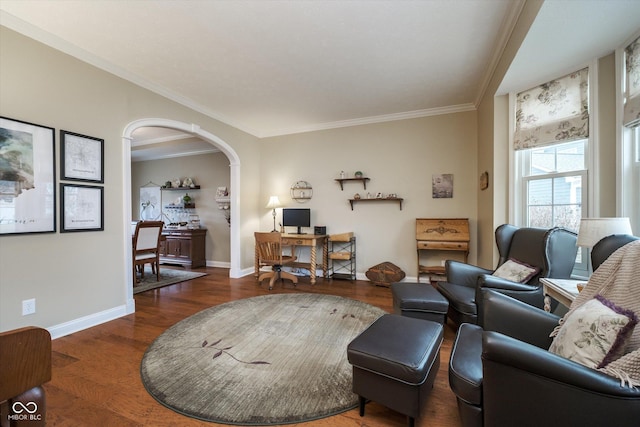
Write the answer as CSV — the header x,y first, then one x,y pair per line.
x,y
395,361
419,300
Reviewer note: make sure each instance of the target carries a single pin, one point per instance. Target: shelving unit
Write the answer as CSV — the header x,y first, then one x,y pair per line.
x,y
171,211
301,191
363,179
378,199
342,255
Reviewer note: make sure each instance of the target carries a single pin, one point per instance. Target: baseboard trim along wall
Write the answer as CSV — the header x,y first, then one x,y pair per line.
x,y
86,322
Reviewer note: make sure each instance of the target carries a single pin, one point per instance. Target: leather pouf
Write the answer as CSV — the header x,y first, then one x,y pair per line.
x,y
385,273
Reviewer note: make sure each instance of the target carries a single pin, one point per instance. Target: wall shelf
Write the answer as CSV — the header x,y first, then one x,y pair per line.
x,y
378,199
195,187
343,180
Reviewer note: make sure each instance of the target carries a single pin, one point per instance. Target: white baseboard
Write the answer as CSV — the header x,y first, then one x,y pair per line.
x,y
86,322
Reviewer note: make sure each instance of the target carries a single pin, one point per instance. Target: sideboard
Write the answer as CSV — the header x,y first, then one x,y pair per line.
x,y
184,247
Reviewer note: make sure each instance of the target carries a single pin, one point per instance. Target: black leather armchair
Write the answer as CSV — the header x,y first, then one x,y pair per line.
x,y
553,251
502,374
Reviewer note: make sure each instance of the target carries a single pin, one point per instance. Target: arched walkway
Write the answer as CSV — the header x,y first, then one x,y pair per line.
x,y
234,164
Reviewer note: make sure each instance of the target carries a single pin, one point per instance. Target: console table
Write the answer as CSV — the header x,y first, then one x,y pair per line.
x,y
184,247
310,240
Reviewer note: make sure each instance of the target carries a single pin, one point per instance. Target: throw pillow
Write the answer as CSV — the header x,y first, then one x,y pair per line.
x,y
516,271
595,334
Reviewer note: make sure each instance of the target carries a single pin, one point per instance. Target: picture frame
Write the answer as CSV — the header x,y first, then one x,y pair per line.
x,y
484,180
27,178
81,157
442,186
81,208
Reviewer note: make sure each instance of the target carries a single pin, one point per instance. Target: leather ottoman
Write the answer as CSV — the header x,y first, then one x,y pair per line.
x,y
395,361
419,300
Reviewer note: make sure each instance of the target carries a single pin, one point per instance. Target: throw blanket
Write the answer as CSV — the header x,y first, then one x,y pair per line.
x,y
618,280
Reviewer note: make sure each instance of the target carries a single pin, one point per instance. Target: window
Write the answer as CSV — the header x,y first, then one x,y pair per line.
x,y
551,151
629,167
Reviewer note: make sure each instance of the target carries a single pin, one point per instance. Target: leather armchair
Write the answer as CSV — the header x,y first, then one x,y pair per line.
x,y
502,374
553,251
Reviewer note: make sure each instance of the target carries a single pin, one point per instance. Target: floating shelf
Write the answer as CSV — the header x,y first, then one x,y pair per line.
x,y
383,199
343,180
195,187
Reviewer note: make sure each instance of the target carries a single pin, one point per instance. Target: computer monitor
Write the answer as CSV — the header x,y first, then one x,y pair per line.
x,y
296,217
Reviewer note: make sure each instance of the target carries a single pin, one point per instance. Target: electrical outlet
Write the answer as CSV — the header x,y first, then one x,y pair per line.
x,y
28,306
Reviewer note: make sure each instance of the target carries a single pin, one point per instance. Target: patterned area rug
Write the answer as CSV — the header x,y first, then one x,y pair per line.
x,y
168,277
273,359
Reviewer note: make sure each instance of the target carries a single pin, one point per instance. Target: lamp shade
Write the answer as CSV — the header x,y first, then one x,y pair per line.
x,y
273,203
592,230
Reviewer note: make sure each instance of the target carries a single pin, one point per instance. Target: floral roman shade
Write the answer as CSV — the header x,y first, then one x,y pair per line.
x,y
554,112
632,101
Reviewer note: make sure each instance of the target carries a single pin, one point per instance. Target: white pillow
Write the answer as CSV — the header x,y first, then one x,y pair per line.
x,y
595,334
516,271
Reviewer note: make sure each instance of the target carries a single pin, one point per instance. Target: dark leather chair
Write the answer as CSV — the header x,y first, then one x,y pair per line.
x,y
552,251
502,374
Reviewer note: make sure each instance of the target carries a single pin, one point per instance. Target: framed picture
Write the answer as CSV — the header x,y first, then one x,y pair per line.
x,y
81,208
27,178
442,186
484,180
81,157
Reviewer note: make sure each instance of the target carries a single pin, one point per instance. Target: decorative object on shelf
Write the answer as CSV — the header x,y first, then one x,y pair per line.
x,y
392,196
186,199
342,175
442,186
301,191
28,183
167,184
176,183
188,182
222,192
356,196
358,174
484,180
273,203
379,195
369,195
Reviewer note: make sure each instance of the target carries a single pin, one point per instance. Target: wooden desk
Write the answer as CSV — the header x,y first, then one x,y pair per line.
x,y
438,235
310,240
562,290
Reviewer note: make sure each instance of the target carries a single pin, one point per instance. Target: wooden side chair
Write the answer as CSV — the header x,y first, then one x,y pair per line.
x,y
25,365
146,247
269,249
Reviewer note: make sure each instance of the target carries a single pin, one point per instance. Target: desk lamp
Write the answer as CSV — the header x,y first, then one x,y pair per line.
x,y
592,230
273,203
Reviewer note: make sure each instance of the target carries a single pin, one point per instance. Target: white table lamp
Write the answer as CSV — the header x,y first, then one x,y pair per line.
x,y
273,203
592,230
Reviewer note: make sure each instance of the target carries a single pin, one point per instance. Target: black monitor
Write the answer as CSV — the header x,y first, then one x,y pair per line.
x,y
296,217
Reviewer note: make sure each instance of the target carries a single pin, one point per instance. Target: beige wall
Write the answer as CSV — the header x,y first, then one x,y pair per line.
x,y
399,157
209,171
81,277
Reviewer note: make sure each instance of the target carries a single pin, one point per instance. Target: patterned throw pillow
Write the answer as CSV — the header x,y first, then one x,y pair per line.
x,y
515,271
595,334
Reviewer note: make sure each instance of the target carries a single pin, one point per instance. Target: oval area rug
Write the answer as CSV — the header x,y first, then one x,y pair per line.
x,y
273,359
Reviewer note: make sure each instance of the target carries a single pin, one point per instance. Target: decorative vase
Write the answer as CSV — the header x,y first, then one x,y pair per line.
x,y
186,199
358,174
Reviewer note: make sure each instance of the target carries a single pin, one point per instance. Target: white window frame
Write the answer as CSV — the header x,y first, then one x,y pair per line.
x,y
627,152
590,192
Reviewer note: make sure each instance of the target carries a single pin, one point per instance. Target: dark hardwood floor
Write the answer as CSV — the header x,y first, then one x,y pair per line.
x,y
96,380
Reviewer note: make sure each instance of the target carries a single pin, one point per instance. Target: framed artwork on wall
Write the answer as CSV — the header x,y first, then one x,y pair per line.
x,y
81,157
27,178
81,208
442,186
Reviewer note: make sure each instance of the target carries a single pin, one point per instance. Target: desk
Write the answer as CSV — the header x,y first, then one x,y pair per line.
x,y
310,240
562,290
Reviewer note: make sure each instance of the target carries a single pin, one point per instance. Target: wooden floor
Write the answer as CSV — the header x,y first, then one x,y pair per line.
x,y
96,380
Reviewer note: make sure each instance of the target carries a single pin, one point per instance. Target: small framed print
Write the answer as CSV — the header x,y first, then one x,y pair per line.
x,y
81,157
81,208
27,178
484,180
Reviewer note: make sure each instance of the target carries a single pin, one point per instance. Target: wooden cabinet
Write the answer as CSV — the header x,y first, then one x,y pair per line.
x,y
184,247
441,234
